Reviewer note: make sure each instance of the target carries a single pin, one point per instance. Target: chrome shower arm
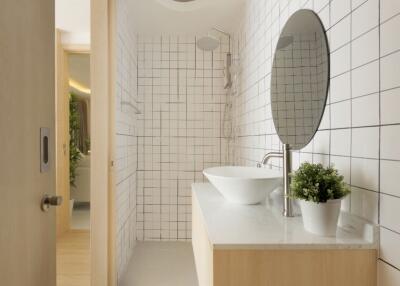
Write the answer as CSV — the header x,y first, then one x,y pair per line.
x,y
226,34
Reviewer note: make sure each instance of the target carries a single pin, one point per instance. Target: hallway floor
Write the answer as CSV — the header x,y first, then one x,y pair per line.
x,y
80,219
161,264
73,259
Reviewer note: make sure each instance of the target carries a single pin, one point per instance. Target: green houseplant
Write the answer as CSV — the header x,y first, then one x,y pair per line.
x,y
320,191
74,152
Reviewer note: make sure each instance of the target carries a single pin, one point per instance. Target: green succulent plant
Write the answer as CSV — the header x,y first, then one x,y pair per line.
x,y
315,183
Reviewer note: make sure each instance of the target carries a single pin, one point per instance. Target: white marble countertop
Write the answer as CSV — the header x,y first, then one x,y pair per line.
x,y
262,227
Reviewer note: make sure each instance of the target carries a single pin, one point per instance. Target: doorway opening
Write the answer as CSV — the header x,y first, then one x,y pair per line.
x,y
73,164
79,147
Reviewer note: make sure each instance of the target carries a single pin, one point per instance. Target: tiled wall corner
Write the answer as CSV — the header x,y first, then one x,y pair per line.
x,y
360,130
125,137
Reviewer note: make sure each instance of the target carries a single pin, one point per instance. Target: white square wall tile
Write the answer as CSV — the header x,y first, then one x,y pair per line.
x,y
342,164
390,142
390,43
341,114
365,142
321,142
321,159
390,171
324,15
365,110
365,48
340,34
306,157
341,142
389,8
340,87
340,60
388,275
356,3
390,102
389,250
365,17
325,121
319,4
365,173
365,79
364,204
390,212
339,9
390,71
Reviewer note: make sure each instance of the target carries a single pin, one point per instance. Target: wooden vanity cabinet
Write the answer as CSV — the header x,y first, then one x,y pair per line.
x,y
257,266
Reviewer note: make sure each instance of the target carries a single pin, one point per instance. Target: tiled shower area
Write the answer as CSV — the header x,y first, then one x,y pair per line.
x,y
182,97
173,112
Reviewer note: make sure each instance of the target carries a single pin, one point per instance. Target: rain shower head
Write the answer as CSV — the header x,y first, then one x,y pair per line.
x,y
210,43
207,43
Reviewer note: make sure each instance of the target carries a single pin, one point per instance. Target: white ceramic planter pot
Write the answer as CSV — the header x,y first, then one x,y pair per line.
x,y
322,218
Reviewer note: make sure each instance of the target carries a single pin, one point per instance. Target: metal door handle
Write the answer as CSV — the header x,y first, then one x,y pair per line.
x,y
48,201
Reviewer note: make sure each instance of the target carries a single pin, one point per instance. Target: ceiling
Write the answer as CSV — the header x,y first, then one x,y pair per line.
x,y
73,18
155,17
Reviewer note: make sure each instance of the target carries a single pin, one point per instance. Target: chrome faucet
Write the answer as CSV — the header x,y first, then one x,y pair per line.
x,y
267,157
287,163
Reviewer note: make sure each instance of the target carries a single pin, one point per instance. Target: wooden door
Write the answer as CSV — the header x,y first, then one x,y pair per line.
x,y
27,234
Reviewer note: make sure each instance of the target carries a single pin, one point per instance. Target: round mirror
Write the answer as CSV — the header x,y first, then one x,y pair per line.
x,y
300,79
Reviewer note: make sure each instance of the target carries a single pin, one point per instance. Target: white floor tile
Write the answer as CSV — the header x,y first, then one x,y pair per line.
x,y
161,264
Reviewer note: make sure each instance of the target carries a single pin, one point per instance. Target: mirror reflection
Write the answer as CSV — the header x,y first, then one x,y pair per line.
x,y
300,78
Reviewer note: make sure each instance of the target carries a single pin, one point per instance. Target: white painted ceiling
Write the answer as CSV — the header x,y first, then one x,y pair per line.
x,y
155,17
73,18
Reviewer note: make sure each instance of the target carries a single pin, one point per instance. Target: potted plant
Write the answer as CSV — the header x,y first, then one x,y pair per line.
x,y
74,153
320,191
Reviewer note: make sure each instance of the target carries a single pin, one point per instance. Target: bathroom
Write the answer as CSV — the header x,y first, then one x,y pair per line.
x,y
232,142
182,119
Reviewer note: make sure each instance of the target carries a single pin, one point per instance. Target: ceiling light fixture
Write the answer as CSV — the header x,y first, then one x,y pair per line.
x,y
78,86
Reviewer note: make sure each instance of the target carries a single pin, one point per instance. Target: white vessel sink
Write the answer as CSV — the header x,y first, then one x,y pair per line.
x,y
244,185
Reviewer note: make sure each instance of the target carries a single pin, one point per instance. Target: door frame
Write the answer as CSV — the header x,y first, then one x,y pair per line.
x,y
102,187
62,51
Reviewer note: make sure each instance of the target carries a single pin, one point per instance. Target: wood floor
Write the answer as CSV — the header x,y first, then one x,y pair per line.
x,y
73,259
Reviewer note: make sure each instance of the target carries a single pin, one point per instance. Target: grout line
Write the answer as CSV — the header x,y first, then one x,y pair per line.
x,y
351,106
384,261
380,113
389,195
388,229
